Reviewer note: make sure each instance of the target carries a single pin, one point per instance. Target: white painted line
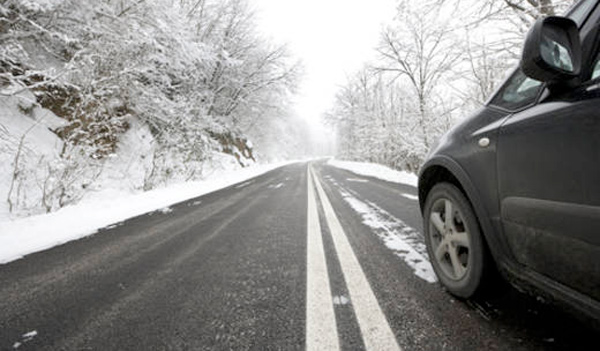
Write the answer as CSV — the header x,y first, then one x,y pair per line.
x,y
406,242
321,328
375,330
244,184
357,180
411,197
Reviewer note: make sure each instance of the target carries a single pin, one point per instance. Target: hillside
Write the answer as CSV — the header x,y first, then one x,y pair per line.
x,y
135,95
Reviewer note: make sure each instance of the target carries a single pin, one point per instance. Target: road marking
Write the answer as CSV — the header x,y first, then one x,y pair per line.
x,y
406,242
244,184
321,328
411,197
375,330
357,180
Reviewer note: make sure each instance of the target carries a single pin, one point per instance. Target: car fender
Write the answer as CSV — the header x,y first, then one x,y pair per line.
x,y
497,247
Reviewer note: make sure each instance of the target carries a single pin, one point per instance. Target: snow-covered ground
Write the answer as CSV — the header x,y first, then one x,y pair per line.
x,y
25,131
20,237
31,179
404,241
396,234
377,171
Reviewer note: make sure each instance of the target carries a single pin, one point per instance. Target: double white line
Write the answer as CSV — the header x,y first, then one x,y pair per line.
x,y
321,328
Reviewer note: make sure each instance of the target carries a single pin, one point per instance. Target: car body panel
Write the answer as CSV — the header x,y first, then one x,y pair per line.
x,y
475,168
535,186
549,188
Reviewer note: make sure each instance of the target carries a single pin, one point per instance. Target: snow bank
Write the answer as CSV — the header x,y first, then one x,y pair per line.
x,y
36,233
377,171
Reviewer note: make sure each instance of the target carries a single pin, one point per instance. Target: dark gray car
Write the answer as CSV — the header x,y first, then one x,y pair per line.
x,y
516,187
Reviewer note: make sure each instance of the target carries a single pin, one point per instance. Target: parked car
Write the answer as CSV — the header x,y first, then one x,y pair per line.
x,y
515,188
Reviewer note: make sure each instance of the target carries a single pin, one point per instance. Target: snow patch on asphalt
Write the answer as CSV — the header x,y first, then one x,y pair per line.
x,y
165,210
377,171
405,241
113,226
30,335
25,338
276,186
340,300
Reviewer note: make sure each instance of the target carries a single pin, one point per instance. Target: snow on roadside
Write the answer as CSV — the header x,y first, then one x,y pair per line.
x,y
376,171
36,233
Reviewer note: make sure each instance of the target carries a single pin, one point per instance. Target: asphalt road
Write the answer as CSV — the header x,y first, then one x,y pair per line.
x,y
269,264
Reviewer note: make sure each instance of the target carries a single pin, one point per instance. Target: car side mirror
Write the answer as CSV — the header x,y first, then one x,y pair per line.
x,y
552,50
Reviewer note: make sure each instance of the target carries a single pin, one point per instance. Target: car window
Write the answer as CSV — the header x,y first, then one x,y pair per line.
x,y
519,91
596,70
593,70
580,12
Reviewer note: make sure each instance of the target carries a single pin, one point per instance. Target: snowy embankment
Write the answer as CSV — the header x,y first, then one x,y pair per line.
x,y
34,179
36,233
377,171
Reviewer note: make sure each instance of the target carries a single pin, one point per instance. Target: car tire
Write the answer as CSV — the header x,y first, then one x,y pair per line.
x,y
455,245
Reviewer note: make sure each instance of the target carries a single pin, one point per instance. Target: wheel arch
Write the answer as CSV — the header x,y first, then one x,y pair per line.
x,y
445,169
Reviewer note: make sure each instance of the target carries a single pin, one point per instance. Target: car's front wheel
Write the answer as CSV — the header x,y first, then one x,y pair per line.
x,y
454,242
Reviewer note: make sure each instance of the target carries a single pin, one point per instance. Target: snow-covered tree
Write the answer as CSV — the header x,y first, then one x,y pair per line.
x,y
438,60
195,74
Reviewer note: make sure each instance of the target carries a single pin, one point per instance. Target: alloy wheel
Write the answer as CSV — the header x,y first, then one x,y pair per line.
x,y
450,239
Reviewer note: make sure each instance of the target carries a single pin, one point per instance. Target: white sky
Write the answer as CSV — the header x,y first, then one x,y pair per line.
x,y
333,38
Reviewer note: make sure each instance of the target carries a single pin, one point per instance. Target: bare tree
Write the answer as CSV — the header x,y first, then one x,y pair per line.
x,y
420,51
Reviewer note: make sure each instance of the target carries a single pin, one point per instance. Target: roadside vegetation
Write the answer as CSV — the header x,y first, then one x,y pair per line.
x,y
135,93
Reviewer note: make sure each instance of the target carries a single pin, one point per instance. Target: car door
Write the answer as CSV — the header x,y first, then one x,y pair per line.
x,y
548,165
549,185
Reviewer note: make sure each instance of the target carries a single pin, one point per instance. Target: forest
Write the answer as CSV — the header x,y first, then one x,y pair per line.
x,y
437,62
140,94
147,93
